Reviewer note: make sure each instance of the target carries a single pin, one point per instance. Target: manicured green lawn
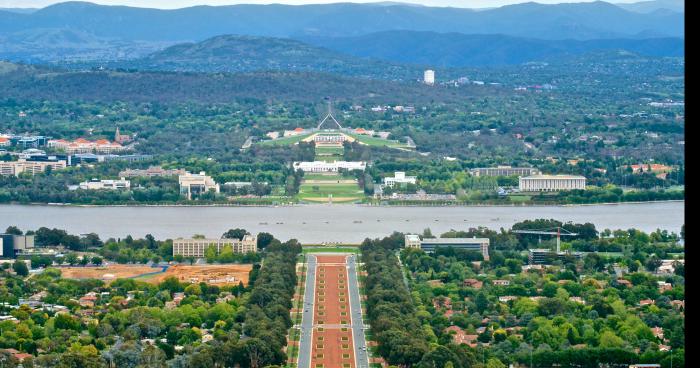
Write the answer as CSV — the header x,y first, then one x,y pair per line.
x,y
338,151
517,198
334,189
374,141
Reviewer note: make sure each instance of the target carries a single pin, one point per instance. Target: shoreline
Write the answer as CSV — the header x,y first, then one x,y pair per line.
x,y
335,204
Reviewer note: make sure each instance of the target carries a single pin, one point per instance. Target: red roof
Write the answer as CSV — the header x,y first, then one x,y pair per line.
x,y
298,129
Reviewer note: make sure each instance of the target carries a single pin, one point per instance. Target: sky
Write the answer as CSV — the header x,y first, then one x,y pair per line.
x,y
174,4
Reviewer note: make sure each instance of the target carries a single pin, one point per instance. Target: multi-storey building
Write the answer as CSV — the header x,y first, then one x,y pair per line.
x,y
110,184
11,244
195,184
430,244
82,145
399,178
15,168
323,166
151,172
551,183
504,171
197,247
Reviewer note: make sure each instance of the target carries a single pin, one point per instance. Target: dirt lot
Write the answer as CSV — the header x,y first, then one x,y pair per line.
x,y
107,273
211,274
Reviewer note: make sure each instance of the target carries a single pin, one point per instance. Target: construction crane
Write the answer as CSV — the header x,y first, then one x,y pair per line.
x,y
558,233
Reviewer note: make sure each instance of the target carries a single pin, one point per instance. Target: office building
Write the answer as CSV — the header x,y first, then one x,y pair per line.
x,y
8,168
82,145
399,178
152,171
11,245
109,184
429,77
198,247
430,244
551,183
504,171
323,166
196,184
548,256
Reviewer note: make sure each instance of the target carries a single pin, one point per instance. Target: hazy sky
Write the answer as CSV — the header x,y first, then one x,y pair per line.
x,y
172,4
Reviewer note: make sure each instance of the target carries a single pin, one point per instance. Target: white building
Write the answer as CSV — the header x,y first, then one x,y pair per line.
x,y
399,178
429,77
95,184
198,247
196,184
323,166
551,183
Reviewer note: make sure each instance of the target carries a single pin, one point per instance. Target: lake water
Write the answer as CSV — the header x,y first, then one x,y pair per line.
x,y
327,223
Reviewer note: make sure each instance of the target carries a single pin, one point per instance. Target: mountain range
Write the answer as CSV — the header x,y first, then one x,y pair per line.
x,y
588,20
357,39
388,55
460,50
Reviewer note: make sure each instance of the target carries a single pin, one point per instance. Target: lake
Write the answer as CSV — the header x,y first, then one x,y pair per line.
x,y
327,223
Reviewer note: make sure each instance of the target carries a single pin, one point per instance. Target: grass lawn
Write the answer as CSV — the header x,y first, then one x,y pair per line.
x,y
378,142
518,198
340,191
329,177
337,151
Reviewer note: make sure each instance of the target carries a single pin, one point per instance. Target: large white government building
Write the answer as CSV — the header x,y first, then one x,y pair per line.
x,y
323,166
399,178
197,184
198,247
551,183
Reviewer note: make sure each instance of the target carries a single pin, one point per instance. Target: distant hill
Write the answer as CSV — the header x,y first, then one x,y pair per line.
x,y
23,82
590,20
458,50
61,44
655,5
231,53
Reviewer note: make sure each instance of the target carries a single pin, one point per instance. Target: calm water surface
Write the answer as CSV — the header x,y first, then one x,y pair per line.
x,y
327,223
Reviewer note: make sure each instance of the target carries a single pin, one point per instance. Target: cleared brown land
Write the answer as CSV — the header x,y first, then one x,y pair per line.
x,y
230,274
107,273
332,341
211,274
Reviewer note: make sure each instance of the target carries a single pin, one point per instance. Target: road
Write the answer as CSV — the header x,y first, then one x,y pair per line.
x,y
307,317
358,334
333,323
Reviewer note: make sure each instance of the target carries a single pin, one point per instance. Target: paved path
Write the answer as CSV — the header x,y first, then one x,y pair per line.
x,y
307,317
332,325
358,334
